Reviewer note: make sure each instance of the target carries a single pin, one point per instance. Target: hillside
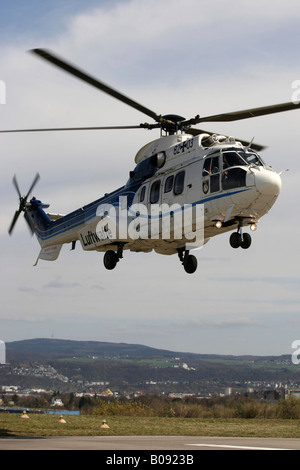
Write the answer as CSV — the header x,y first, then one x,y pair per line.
x,y
90,365
54,348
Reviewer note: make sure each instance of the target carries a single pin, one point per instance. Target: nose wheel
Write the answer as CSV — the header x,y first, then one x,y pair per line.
x,y
239,239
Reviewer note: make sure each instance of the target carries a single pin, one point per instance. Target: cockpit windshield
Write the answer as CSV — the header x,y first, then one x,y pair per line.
x,y
240,158
252,158
229,171
232,159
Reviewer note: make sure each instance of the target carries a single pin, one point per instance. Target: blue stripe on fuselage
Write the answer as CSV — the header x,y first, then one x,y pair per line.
x,y
86,213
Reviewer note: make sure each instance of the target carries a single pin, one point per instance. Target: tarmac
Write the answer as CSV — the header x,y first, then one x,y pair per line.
x,y
148,443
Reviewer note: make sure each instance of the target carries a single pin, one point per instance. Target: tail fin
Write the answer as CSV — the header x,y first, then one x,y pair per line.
x,y
38,220
36,217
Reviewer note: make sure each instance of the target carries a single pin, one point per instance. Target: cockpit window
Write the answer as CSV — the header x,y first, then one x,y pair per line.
x,y
232,159
251,157
240,158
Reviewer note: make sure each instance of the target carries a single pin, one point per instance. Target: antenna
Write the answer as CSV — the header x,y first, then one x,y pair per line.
x,y
250,143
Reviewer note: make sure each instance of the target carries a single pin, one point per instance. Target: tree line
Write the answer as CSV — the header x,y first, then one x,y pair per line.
x,y
238,406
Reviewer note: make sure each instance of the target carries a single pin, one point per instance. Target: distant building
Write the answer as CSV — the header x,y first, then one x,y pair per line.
x,y
2,352
294,393
107,393
57,402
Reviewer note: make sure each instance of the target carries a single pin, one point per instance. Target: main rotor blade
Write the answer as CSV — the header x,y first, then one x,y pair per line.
x,y
54,129
13,223
246,113
47,55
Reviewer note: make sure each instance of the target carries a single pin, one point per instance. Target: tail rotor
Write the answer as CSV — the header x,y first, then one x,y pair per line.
x,y
22,200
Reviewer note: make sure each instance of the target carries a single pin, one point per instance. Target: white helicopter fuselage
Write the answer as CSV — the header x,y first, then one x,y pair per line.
x,y
228,181
190,183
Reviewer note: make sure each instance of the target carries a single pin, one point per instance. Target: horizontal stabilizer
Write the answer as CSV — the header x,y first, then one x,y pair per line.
x,y
49,253
55,216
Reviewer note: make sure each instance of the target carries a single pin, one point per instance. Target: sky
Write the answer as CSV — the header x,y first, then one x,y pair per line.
x,y
186,57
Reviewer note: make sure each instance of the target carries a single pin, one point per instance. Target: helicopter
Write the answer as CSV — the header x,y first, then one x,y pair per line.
x,y
187,186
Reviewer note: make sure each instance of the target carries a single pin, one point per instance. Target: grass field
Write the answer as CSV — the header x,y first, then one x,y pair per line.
x,y
86,425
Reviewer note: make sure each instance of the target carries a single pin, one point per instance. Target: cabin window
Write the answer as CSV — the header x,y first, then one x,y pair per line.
x,y
142,195
154,192
179,183
169,184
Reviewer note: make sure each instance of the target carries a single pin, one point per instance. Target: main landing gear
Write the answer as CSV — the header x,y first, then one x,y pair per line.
x,y
111,258
240,239
189,262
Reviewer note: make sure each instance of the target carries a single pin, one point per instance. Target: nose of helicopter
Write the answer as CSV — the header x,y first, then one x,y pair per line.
x,y
268,182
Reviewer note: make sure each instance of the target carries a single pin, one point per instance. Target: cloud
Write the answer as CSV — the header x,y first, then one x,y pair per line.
x,y
97,287
217,323
286,281
61,285
186,57
29,290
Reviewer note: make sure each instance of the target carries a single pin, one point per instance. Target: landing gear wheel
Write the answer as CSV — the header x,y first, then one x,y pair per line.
x,y
246,242
188,261
235,240
110,259
190,264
